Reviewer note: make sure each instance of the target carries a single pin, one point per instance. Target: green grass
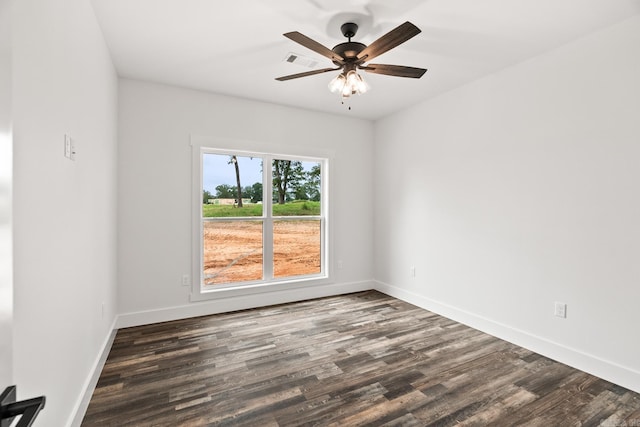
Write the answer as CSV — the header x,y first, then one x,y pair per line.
x,y
295,208
209,211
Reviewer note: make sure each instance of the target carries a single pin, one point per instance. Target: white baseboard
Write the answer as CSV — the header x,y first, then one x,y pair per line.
x,y
201,309
607,370
90,384
242,302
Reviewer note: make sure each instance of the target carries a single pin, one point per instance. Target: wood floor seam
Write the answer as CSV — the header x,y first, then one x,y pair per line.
x,y
349,360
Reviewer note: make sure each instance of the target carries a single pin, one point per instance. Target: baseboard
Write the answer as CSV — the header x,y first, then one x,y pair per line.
x,y
201,309
242,302
90,384
593,365
607,370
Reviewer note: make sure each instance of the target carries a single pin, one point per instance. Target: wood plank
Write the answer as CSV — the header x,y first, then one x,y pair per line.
x,y
358,359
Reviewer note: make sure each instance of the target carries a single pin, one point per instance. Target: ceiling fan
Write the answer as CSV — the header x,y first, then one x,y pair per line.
x,y
351,56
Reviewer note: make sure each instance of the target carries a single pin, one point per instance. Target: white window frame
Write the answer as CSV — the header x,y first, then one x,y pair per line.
x,y
201,146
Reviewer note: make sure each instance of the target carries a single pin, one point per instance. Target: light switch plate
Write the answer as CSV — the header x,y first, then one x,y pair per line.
x,y
560,310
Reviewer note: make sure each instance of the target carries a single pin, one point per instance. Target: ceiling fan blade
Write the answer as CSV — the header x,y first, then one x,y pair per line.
x,y
395,70
308,73
390,40
314,46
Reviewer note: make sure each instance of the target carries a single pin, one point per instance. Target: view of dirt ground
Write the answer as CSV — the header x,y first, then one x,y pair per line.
x,y
233,250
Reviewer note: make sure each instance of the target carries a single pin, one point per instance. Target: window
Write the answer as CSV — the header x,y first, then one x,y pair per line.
x,y
262,219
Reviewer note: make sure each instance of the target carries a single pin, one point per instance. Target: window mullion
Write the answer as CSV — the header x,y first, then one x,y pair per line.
x,y
267,231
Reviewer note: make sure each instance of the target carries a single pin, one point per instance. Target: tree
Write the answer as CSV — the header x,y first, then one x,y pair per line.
x,y
234,160
313,183
224,191
206,195
256,192
247,192
286,174
300,192
308,186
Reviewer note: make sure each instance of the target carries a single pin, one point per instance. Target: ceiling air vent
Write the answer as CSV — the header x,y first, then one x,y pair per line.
x,y
305,61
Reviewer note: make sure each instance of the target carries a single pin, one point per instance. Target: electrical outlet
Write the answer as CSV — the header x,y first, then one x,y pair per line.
x,y
103,310
67,146
185,280
560,309
340,265
412,272
72,155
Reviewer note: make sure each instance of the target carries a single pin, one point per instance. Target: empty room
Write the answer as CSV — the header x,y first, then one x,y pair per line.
x,y
320,212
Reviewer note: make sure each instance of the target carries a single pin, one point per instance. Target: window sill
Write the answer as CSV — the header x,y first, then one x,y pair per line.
x,y
259,288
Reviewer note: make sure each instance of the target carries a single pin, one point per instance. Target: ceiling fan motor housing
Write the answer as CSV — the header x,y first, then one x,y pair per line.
x,y
348,50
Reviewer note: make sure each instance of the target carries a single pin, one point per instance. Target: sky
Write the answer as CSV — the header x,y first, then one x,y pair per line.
x,y
217,170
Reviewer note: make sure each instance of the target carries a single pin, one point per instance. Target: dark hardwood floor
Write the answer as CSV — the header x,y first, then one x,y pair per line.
x,y
359,359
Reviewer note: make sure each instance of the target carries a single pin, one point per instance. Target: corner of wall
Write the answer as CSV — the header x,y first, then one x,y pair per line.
x,y
80,408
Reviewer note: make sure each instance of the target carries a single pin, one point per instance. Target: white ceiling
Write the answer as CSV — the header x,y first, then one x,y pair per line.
x,y
237,48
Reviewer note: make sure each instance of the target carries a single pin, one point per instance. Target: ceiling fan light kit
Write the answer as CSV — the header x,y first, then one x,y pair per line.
x,y
350,84
351,56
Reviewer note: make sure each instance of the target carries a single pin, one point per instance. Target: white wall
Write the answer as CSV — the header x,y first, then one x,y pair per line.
x,y
519,190
154,211
64,211
6,185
